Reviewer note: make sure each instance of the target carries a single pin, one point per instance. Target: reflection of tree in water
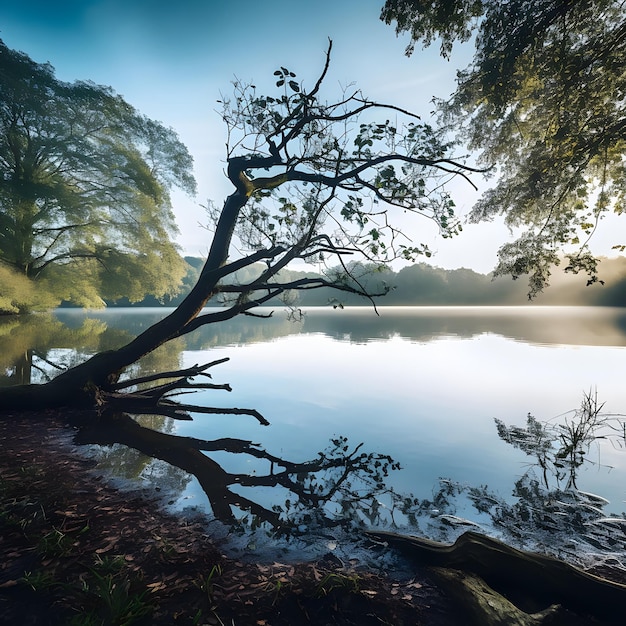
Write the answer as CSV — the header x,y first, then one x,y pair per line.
x,y
548,513
341,485
345,486
561,449
235,331
591,326
130,464
38,347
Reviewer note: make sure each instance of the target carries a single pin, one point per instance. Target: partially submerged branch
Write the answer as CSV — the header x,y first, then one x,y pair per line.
x,y
185,374
156,400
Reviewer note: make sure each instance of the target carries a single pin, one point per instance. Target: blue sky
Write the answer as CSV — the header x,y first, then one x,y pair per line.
x,y
173,60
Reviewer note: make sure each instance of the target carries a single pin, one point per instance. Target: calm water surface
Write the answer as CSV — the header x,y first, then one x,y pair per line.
x,y
420,384
425,392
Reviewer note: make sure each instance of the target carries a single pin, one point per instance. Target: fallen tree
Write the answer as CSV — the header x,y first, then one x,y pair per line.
x,y
312,181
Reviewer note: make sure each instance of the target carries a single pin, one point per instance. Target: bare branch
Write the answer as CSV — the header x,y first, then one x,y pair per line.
x,y
186,373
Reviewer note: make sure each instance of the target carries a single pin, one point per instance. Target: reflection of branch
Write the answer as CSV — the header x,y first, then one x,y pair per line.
x,y
45,360
181,452
41,370
186,453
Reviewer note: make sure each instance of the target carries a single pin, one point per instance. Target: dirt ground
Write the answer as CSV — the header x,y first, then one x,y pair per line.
x,y
74,550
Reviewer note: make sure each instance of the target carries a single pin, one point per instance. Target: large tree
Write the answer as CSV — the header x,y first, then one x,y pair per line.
x,y
84,191
544,103
311,180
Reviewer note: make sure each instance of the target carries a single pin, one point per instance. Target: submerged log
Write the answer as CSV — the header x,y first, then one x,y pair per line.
x,y
534,583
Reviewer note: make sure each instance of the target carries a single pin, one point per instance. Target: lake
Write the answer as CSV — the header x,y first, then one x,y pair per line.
x,y
421,384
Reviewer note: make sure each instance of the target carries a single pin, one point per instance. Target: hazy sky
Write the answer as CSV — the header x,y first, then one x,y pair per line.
x,y
172,60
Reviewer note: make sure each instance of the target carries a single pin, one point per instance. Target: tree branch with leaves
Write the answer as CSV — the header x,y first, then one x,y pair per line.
x,y
313,181
543,104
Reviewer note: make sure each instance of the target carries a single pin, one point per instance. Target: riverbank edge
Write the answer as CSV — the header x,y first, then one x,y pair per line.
x,y
77,550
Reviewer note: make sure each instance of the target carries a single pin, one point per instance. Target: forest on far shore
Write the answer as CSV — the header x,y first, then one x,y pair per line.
x,y
425,285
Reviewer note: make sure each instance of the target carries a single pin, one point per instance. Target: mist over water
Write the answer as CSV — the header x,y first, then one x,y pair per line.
x,y
421,384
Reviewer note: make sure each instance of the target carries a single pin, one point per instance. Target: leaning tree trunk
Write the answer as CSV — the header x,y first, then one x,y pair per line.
x,y
298,139
89,384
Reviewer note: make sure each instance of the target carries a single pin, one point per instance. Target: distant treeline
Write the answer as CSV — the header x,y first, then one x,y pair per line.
x,y
423,284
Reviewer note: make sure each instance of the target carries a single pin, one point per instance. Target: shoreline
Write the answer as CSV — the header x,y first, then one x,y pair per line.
x,y
75,547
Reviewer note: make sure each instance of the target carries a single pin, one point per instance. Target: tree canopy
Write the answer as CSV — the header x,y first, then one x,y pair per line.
x,y
84,191
312,181
322,181
544,102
